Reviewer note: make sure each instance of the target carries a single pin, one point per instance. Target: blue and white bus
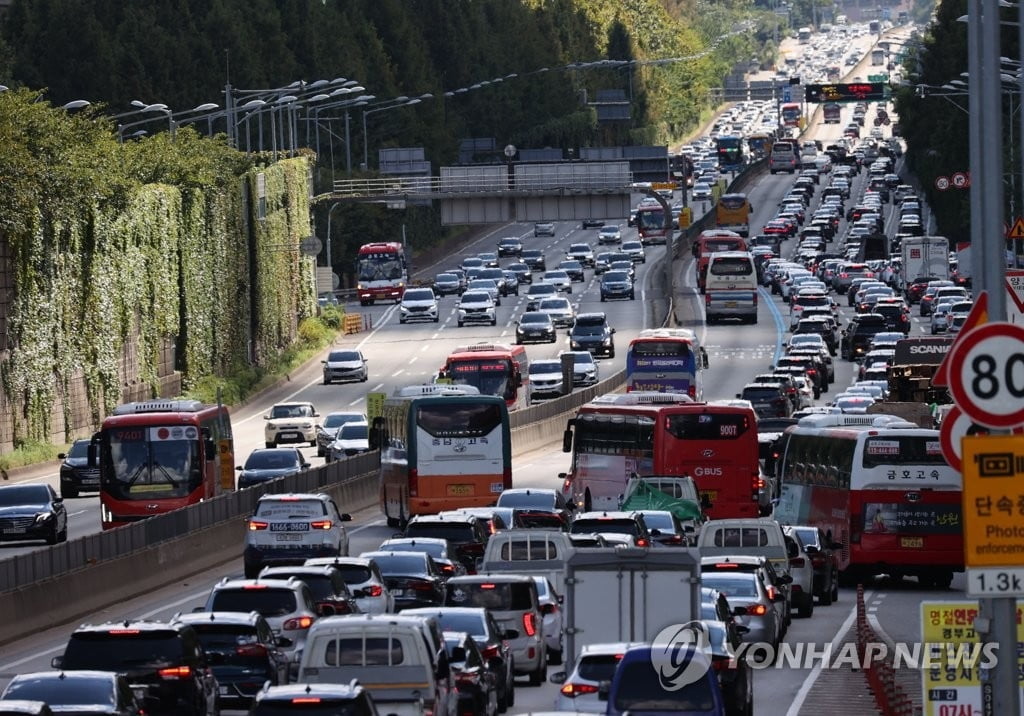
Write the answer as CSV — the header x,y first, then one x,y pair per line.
x,y
666,360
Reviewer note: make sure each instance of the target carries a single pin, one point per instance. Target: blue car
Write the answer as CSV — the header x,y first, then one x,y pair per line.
x,y
639,683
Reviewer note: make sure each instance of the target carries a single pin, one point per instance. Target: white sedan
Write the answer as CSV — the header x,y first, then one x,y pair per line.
x,y
559,279
551,608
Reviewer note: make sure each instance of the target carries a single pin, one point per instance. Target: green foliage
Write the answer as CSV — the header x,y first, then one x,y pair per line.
x,y
332,317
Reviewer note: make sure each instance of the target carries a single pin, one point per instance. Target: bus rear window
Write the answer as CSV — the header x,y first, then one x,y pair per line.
x,y
708,426
732,266
458,420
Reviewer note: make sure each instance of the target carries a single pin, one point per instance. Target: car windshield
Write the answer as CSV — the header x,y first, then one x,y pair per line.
x,y
80,448
541,367
290,509
291,411
267,601
336,420
640,689
473,624
659,520
398,563
610,524
15,495
554,304
616,276
455,532
539,318
63,692
354,431
446,278
419,295
556,276
731,585
490,595
272,460
527,499
434,549
475,298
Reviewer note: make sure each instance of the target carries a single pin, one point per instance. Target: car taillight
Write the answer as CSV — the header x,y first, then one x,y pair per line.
x,y
720,664
771,591
692,392
320,524
642,542
175,672
255,525
306,700
757,610
298,623
530,623
448,569
844,275
490,652
414,488
423,587
573,690
374,590
257,650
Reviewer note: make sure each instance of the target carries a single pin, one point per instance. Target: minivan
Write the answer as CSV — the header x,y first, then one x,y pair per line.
x,y
783,157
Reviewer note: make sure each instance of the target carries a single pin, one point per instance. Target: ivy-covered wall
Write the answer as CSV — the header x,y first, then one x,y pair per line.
x,y
130,271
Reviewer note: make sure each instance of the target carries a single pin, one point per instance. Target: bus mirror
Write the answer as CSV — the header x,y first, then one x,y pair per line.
x,y
93,455
211,449
567,440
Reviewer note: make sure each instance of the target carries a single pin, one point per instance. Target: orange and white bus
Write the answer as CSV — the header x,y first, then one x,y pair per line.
x,y
492,368
442,447
882,488
159,455
732,213
621,434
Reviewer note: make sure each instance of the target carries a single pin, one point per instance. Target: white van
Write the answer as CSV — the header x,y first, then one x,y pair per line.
x,y
783,157
730,287
400,660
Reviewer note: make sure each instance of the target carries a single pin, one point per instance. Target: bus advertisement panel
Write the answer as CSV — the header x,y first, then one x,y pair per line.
x,y
492,368
730,153
882,488
792,115
442,447
620,435
732,213
157,456
382,272
650,224
666,360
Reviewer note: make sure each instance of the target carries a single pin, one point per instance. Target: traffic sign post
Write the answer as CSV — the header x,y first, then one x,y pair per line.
x,y
986,375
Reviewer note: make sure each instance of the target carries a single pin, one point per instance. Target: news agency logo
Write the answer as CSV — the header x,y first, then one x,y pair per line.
x,y
674,654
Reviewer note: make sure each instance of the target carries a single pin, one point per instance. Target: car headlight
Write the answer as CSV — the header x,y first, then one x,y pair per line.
x,y
574,345
43,517
607,341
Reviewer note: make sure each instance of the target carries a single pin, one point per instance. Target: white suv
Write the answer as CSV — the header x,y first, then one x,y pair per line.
x,y
545,378
287,605
584,370
476,307
364,580
291,423
290,528
418,304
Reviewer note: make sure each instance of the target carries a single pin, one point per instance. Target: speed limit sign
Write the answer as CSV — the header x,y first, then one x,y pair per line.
x,y
986,376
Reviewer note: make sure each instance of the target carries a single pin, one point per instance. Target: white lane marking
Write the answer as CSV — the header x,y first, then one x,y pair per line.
x,y
808,684
377,387
413,359
397,373
357,401
426,346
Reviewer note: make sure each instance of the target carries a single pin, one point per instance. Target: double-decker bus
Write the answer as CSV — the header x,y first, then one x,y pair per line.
x,y
492,368
442,447
382,272
666,360
792,115
621,434
650,224
732,213
881,487
730,153
156,456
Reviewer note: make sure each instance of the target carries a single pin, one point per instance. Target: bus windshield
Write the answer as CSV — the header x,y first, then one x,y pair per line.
x,y
651,218
149,462
379,267
458,420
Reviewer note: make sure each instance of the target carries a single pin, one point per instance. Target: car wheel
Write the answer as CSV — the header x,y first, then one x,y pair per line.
x,y
319,451
632,296
510,691
401,320
494,321
602,298
825,599
436,319
498,301
612,353
54,536
537,677
327,381
835,587
364,378
68,493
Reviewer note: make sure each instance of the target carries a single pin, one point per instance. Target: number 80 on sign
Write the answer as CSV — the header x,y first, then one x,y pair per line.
x,y
987,375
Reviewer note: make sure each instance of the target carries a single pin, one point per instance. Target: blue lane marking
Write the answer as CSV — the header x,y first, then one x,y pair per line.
x,y
780,325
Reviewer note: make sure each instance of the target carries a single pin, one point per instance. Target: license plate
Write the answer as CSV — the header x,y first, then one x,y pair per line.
x,y
497,487
730,304
90,480
223,690
13,531
460,490
289,538
911,541
289,526
290,436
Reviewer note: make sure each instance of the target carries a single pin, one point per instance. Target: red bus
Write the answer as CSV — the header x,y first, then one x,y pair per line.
x,y
491,368
382,272
710,241
645,433
882,488
156,456
650,224
792,115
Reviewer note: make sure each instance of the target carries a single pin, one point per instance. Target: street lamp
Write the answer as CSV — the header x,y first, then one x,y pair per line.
x,y
348,104
73,104
402,101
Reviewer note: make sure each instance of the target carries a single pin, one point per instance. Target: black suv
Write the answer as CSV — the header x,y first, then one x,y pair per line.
x,y
591,332
243,652
858,334
769,399
75,474
818,326
466,534
534,258
165,663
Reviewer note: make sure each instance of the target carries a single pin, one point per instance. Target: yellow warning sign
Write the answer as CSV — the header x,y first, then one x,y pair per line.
x,y
993,500
1017,230
662,185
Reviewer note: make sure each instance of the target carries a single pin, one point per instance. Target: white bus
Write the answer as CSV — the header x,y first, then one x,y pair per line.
x,y
804,35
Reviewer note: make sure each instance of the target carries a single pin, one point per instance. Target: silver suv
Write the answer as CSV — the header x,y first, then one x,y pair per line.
x,y
287,605
290,528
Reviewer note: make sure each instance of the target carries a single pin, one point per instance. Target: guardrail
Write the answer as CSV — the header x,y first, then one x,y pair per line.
x,y
580,177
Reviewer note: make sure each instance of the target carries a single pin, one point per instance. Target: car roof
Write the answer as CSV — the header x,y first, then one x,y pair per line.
x,y
295,496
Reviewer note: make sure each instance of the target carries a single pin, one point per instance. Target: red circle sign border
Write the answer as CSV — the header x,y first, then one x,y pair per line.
x,y
958,390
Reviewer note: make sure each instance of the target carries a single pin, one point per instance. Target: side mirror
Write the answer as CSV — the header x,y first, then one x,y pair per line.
x,y
739,395
569,504
603,689
613,330
779,597
558,677
196,610
238,467
62,456
92,455
323,362
547,608
346,517
785,579
211,449
266,417
655,532
326,609
566,444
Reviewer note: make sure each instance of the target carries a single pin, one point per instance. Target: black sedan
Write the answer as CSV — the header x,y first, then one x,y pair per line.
x,y
413,577
269,463
535,327
477,683
31,512
75,474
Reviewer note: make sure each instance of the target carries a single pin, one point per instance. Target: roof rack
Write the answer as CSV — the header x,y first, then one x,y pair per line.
x,y
439,389
159,406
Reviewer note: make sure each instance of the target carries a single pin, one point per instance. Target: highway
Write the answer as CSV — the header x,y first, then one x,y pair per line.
x,y
404,354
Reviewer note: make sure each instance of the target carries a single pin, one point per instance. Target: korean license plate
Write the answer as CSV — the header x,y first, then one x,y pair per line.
x,y
223,690
912,542
13,531
730,304
460,490
289,537
290,436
